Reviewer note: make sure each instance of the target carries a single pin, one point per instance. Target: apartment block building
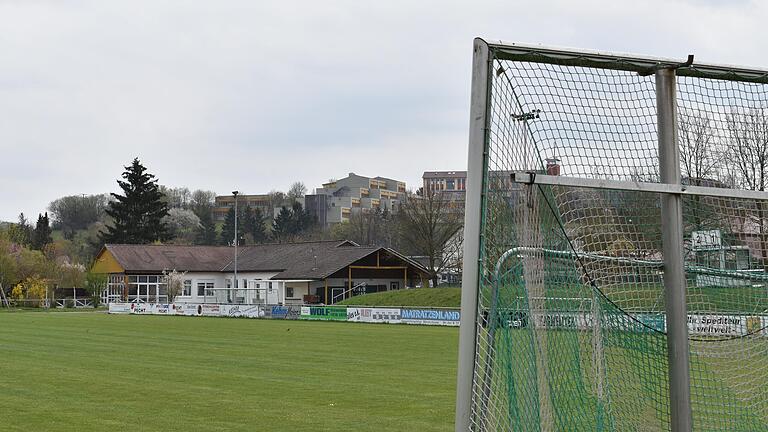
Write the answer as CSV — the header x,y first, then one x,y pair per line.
x,y
336,201
223,203
450,184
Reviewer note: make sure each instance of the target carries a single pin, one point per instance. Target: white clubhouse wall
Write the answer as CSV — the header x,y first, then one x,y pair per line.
x,y
300,289
219,283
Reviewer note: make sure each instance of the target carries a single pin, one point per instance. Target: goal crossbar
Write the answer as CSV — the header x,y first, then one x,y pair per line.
x,y
623,61
529,177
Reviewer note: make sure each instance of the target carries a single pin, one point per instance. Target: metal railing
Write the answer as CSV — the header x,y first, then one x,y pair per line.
x,y
343,294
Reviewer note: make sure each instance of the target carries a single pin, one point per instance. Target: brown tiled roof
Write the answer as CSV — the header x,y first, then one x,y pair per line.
x,y
311,260
156,258
303,260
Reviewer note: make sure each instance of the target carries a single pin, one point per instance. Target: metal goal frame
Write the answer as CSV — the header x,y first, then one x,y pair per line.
x,y
670,188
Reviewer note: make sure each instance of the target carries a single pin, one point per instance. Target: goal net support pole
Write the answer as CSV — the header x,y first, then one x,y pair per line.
x,y
672,246
478,124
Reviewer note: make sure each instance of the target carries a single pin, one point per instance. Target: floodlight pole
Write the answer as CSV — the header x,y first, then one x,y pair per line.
x,y
478,123
672,247
234,285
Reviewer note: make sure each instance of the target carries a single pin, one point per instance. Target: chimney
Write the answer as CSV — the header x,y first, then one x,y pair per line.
x,y
553,166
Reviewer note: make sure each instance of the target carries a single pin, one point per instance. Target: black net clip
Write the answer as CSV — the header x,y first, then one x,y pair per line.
x,y
651,70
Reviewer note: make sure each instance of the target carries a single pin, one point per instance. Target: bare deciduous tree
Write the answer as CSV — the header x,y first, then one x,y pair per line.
x,y
700,162
698,157
747,157
371,228
429,223
296,191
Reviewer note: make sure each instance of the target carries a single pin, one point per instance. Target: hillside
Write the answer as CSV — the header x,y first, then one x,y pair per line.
x,y
432,297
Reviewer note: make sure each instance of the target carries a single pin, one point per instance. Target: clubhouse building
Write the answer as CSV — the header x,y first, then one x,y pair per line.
x,y
288,273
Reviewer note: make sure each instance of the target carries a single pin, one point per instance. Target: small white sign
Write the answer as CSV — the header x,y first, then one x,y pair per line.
x,y
705,239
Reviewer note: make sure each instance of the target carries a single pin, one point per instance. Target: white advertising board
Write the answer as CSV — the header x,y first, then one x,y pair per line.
x,y
374,315
142,308
119,308
241,311
163,309
210,310
718,325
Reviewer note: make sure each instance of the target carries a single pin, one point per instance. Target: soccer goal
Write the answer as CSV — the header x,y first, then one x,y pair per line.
x,y
616,244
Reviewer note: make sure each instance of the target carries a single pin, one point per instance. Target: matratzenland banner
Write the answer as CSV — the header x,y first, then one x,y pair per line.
x,y
445,317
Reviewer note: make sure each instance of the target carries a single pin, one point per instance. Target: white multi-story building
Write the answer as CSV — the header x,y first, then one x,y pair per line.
x,y
336,201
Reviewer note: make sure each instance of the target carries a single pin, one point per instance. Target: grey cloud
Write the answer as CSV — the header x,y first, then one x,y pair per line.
x,y
254,95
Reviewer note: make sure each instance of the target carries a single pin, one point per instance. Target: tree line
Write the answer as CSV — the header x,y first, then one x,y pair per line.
x,y
146,212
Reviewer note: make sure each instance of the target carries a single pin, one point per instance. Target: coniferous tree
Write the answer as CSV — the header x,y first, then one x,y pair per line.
x,y
283,226
245,222
228,230
41,236
302,220
137,214
251,222
257,229
206,233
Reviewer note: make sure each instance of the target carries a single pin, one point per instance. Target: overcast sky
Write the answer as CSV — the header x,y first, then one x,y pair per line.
x,y
255,94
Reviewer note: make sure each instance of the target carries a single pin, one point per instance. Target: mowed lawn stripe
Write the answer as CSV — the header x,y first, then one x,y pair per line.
x,y
94,371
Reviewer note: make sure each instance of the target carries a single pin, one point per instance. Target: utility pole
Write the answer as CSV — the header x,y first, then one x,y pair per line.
x,y
231,296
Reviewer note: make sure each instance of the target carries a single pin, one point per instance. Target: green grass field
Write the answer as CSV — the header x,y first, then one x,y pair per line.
x,y
92,371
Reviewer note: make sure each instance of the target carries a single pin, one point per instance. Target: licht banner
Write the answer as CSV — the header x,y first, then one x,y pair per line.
x,y
374,315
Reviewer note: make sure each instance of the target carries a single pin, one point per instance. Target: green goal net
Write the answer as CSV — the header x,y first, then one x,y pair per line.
x,y
568,321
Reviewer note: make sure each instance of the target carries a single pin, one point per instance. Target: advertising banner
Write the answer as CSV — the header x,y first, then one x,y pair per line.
x,y
373,315
284,312
210,310
446,317
698,325
178,308
162,309
563,320
142,308
242,311
649,323
191,309
324,313
643,323
119,308
717,325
